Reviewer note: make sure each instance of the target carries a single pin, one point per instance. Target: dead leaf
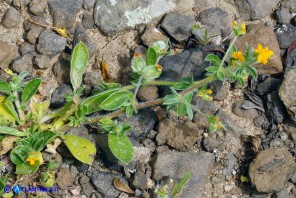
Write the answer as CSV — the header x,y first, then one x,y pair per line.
x,y
51,147
7,144
62,32
104,71
119,185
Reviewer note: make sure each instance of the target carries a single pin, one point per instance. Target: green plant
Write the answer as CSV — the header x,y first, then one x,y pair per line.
x,y
201,34
36,125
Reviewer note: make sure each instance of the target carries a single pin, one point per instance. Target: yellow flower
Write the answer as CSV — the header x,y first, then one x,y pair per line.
x,y
243,28
137,55
263,54
159,67
234,24
32,160
209,91
238,56
35,157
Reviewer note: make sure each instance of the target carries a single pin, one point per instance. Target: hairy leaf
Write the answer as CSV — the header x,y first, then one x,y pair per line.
x,y
121,147
30,89
213,58
38,140
5,88
19,154
11,131
81,148
177,189
93,103
151,57
79,61
26,168
116,100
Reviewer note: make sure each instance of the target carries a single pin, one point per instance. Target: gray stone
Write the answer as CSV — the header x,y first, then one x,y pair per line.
x,y
178,25
33,34
179,136
64,12
276,165
42,61
220,90
285,35
290,4
183,65
88,20
7,55
61,71
266,37
50,43
268,85
58,96
253,9
230,125
26,48
87,189
152,35
64,178
283,15
104,182
113,17
88,4
140,180
148,93
282,194
239,111
141,123
276,107
216,20
211,143
174,165
293,177
38,7
24,63
287,93
12,18
91,78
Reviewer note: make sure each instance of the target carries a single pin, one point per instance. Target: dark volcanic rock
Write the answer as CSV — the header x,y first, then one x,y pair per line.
x,y
104,182
178,25
174,165
283,15
268,85
216,20
253,9
50,43
26,48
141,123
64,12
24,63
58,96
285,35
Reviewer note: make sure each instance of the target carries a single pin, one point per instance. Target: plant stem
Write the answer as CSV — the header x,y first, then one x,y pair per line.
x,y
228,50
164,83
138,87
18,106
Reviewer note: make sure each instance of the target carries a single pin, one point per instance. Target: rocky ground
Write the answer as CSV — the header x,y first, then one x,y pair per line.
x,y
253,157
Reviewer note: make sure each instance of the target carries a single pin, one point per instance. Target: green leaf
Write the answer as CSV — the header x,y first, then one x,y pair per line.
x,y
116,100
170,100
189,111
221,75
79,61
151,72
10,108
181,109
38,140
81,148
26,168
213,58
19,154
151,57
5,88
30,89
177,189
129,110
212,69
121,147
93,103
138,63
188,96
252,71
11,131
